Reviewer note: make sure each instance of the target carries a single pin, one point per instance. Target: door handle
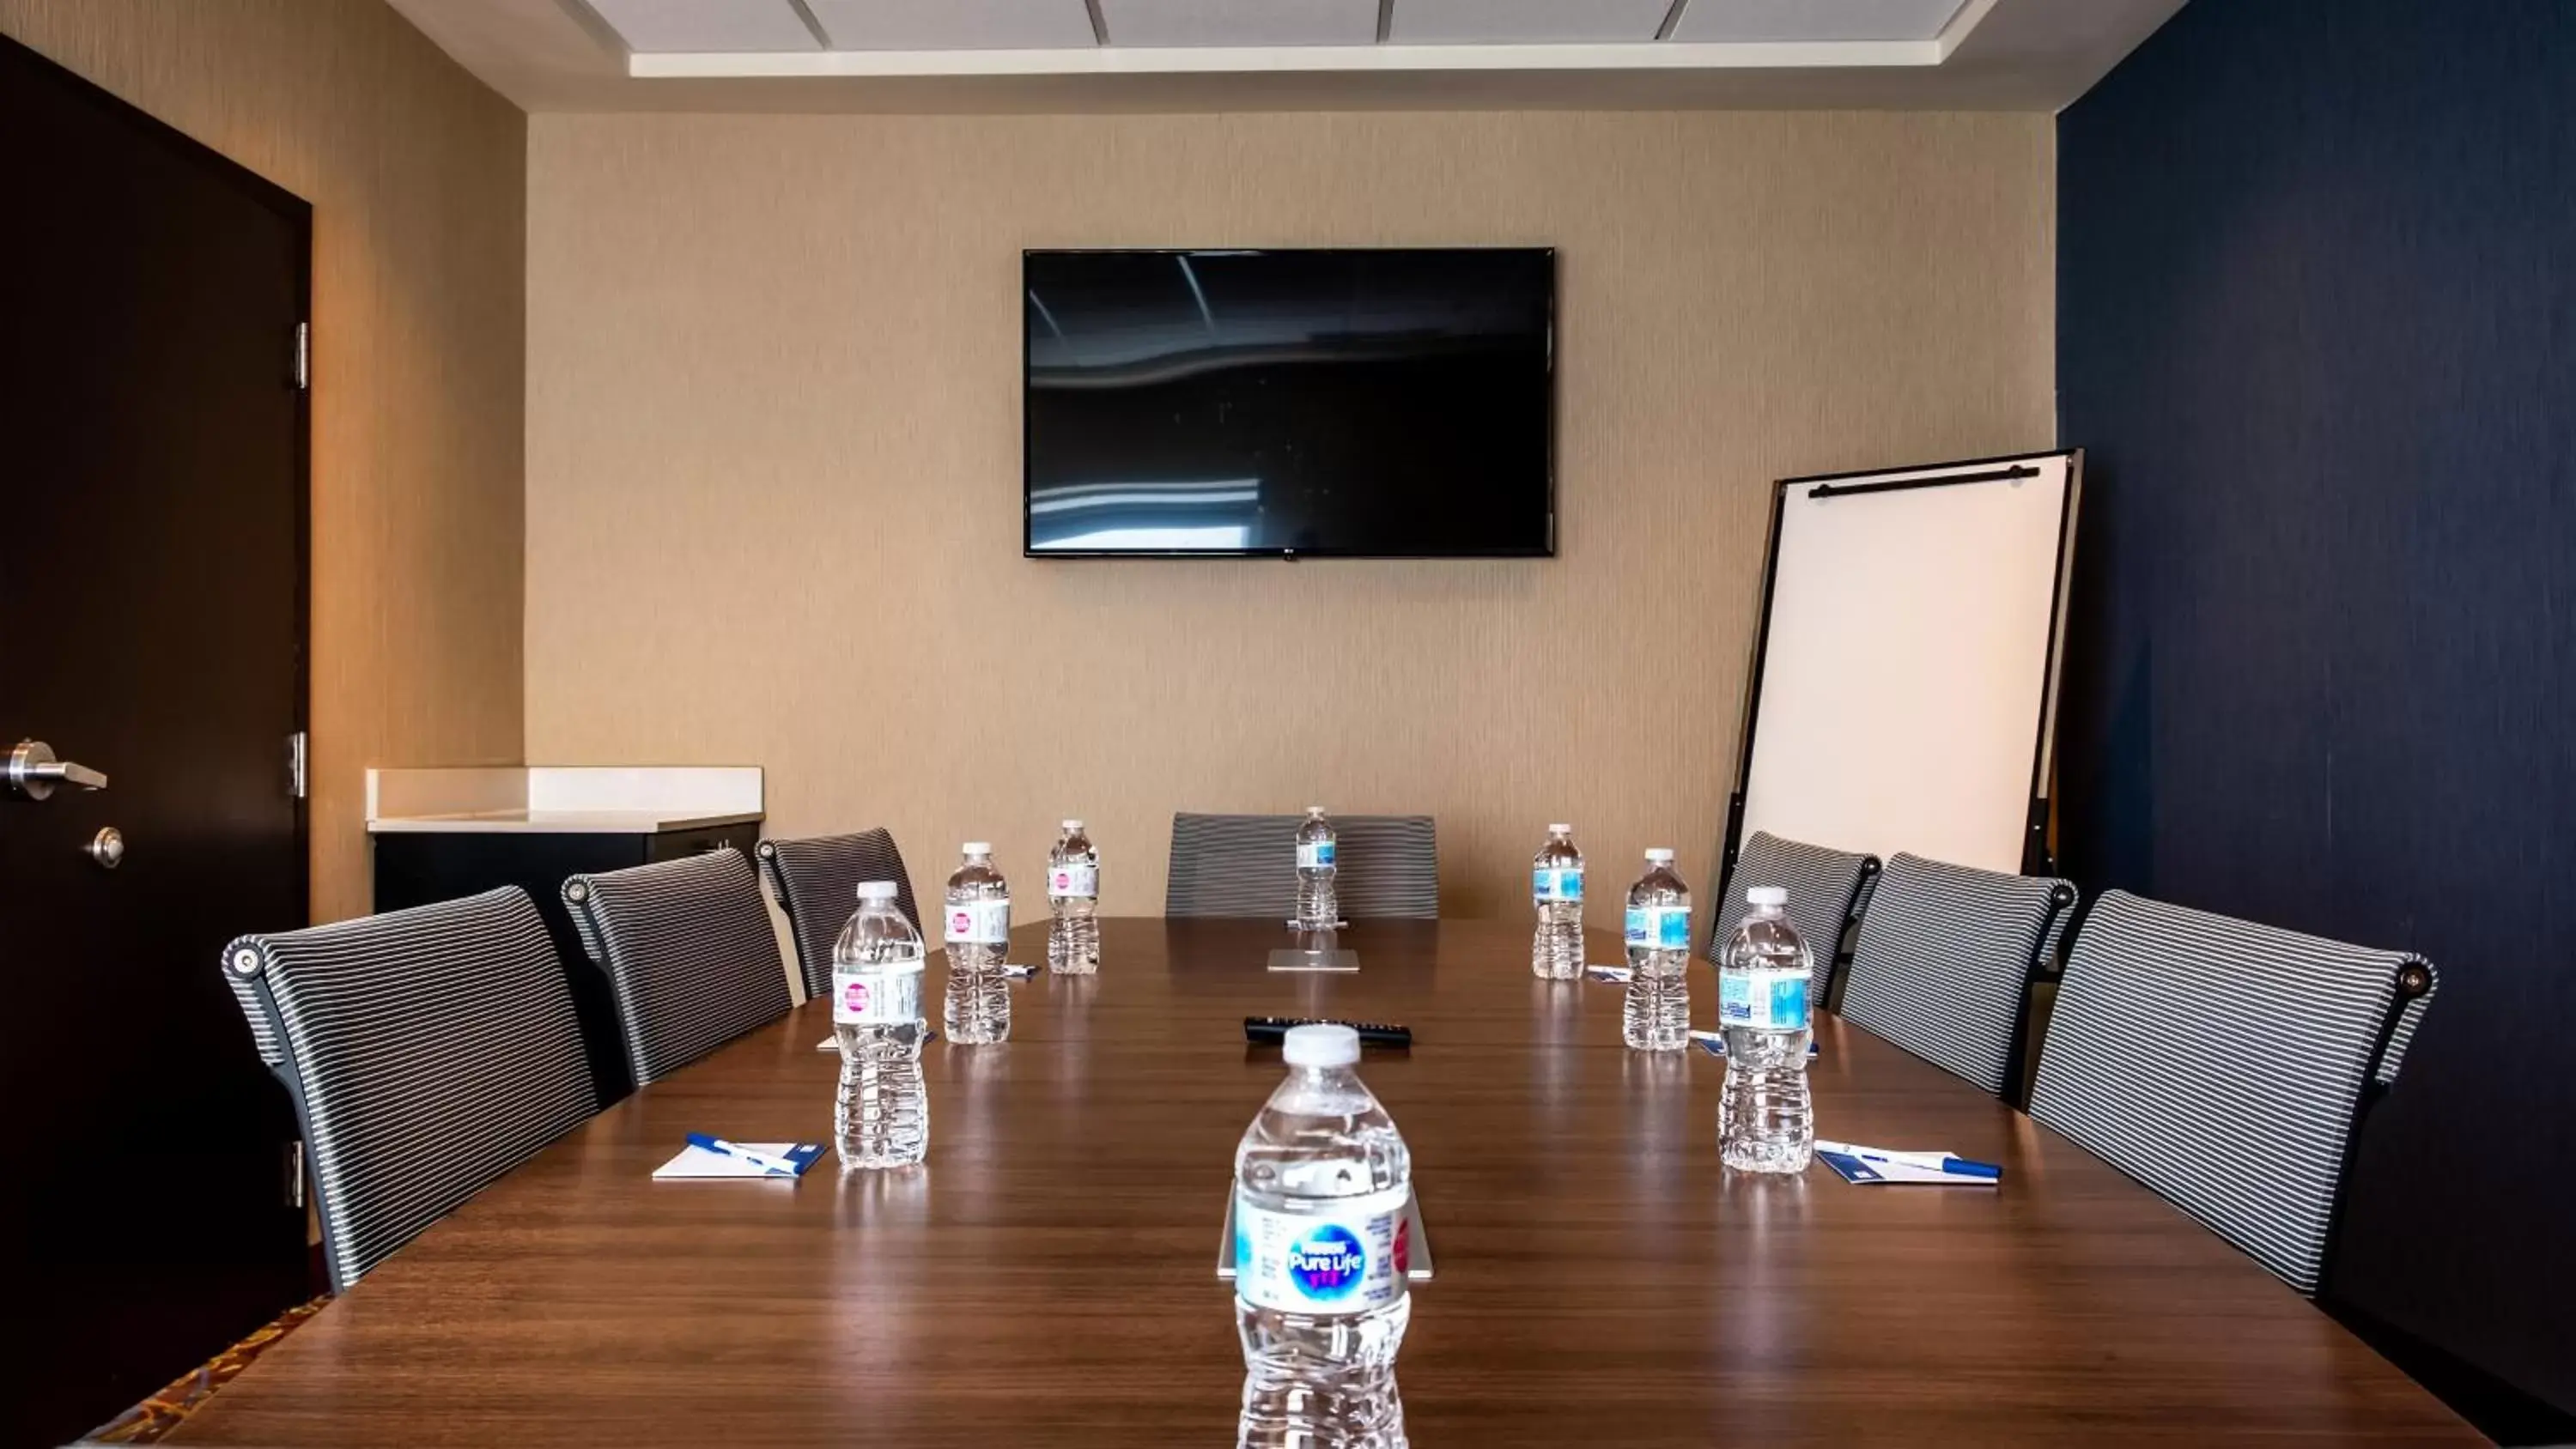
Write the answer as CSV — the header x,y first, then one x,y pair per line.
x,y
34,772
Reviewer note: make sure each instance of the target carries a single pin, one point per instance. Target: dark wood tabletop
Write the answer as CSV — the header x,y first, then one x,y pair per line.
x,y
1047,1277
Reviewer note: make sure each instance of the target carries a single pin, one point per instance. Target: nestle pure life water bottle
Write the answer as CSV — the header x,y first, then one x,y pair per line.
x,y
977,932
1320,1248
1659,937
1073,898
1766,1121
1556,892
1319,908
881,1117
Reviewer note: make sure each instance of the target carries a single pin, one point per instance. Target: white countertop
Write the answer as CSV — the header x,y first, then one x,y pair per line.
x,y
555,822
561,799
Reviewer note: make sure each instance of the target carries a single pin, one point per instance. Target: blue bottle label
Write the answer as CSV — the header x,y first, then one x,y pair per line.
x,y
1314,854
1556,885
1346,1259
1763,1000
1659,928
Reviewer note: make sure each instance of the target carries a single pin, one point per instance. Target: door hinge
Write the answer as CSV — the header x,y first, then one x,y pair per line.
x,y
303,356
295,755
295,1173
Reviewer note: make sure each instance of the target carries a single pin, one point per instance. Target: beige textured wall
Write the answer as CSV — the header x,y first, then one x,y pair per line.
x,y
773,463
417,177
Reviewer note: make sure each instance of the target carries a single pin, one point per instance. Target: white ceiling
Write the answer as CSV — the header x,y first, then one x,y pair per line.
x,y
952,24
1193,55
1756,20
1523,22
1235,22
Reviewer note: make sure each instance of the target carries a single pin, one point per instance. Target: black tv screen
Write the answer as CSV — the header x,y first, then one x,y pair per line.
x,y
1352,403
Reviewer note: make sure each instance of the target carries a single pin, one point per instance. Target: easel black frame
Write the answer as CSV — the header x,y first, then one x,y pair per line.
x,y
2036,858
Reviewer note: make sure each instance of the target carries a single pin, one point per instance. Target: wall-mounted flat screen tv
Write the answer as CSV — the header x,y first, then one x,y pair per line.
x,y
1344,403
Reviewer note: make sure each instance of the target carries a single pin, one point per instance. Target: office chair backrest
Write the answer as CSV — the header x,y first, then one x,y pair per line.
x,y
1828,889
689,953
427,1051
2226,1065
1945,960
816,882
1386,866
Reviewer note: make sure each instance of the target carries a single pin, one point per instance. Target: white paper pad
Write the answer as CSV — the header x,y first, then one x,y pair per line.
x,y
696,1161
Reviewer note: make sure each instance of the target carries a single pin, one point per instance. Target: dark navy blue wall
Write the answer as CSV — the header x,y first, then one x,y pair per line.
x,y
2317,332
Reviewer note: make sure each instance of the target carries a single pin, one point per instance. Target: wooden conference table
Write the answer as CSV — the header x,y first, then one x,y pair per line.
x,y
1048,1277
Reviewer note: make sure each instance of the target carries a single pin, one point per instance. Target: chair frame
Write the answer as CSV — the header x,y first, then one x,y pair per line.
x,y
2038,969
2413,980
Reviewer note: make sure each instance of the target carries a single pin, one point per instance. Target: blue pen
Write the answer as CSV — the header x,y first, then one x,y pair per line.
x,y
774,1166
1935,1161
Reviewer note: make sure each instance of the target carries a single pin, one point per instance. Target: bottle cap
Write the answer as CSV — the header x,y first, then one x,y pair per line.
x,y
1765,896
1073,825
1321,1045
978,847
1314,809
1560,830
876,890
1660,855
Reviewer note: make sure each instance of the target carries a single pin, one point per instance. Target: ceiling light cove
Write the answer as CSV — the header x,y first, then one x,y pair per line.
x,y
821,38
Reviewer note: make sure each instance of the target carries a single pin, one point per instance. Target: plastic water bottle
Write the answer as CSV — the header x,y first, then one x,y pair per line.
x,y
1320,1247
1659,938
881,1118
1556,892
1766,1121
1319,908
1073,896
977,932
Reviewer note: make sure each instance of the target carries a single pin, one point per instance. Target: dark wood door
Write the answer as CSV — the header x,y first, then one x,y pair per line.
x,y
152,588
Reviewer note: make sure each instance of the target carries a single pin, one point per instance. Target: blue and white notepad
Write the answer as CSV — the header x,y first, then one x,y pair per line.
x,y
713,1157
1883,1166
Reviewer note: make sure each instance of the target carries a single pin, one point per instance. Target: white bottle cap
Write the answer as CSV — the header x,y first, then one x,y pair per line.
x,y
1314,809
978,847
1660,855
877,890
1320,1045
1765,896
1560,830
1073,825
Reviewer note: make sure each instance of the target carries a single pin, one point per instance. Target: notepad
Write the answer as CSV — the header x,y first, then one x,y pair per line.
x,y
1880,1172
695,1162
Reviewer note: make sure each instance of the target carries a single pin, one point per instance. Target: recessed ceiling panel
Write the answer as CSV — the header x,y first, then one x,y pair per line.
x,y
1240,22
706,25
953,24
1757,20
1507,22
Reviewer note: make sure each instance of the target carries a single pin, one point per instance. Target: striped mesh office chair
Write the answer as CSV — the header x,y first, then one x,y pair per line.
x,y
816,882
1945,960
427,1051
689,953
1386,867
1828,890
2254,1135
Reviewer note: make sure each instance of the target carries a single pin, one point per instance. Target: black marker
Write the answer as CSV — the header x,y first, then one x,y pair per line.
x,y
1272,1030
